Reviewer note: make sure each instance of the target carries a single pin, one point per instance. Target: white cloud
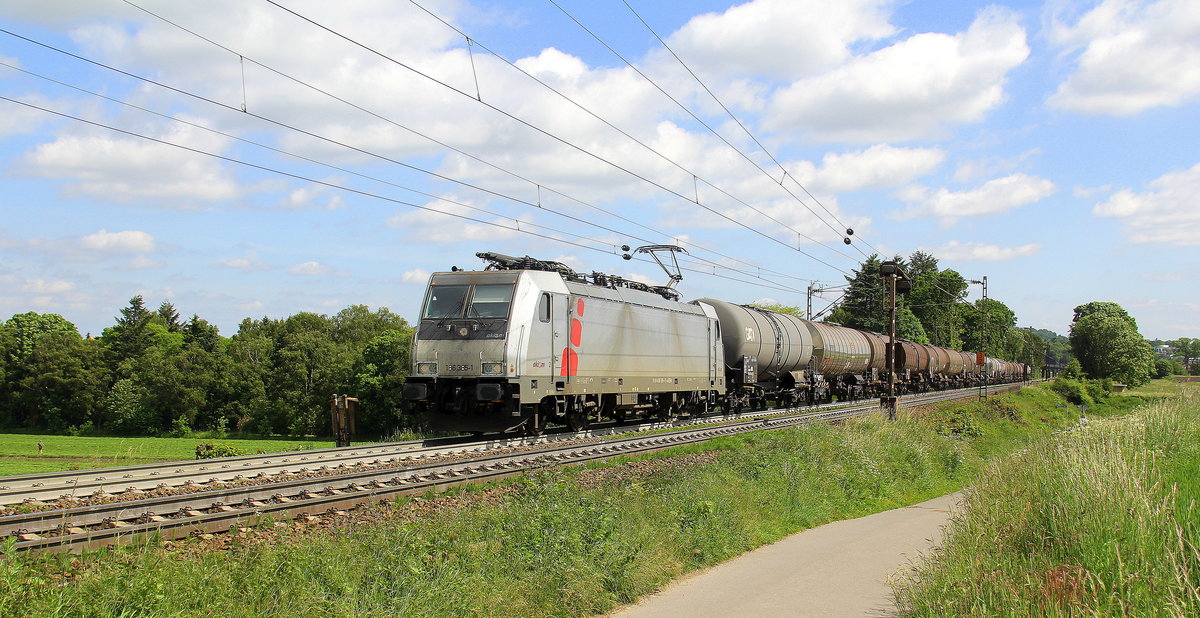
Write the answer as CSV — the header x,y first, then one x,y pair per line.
x,y
955,250
253,305
1165,214
43,287
246,263
1136,55
315,197
431,226
879,166
785,39
310,269
129,169
993,197
128,241
417,276
142,262
969,171
915,88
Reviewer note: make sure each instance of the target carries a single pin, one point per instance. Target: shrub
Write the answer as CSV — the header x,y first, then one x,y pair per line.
x,y
1098,389
208,450
1073,391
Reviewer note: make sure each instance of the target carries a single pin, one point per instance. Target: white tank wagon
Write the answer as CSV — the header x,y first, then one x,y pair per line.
x,y
532,342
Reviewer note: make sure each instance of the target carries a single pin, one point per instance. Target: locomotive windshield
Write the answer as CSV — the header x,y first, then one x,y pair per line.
x,y
485,301
446,301
491,301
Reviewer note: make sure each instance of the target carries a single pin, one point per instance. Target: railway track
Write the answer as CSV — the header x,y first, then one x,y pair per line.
x,y
409,468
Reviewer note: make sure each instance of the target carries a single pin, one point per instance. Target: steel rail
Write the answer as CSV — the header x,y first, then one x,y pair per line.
x,y
178,516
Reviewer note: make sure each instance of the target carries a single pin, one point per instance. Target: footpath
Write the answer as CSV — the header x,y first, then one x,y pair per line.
x,y
839,569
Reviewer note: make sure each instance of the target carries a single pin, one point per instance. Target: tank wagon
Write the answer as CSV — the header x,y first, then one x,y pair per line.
x,y
527,342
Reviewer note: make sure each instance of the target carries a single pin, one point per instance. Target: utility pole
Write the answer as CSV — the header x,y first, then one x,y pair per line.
x,y
897,281
815,289
981,358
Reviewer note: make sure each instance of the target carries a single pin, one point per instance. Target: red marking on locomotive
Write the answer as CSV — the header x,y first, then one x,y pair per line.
x,y
576,332
570,362
579,308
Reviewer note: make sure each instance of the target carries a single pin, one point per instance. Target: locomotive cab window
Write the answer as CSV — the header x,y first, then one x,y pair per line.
x,y
491,301
446,301
544,307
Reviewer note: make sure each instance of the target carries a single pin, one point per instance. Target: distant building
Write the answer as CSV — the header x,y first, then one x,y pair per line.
x,y
1164,350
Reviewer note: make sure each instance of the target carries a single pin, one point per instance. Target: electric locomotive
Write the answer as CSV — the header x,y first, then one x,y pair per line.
x,y
525,342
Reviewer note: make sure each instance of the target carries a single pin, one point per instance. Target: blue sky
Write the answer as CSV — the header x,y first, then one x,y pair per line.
x,y
1053,147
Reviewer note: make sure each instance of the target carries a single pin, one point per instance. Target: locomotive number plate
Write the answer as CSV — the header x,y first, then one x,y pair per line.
x,y
458,367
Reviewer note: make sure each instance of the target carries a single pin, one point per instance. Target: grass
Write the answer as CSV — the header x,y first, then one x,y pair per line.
x,y
560,542
19,453
1099,520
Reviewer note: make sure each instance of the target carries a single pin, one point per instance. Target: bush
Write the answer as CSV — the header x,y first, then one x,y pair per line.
x,y
208,450
1166,367
1098,390
1074,391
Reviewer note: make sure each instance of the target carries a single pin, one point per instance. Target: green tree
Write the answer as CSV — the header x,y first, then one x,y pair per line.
x,y
378,379
866,301
60,385
1187,351
131,336
1105,340
781,308
28,328
988,327
168,317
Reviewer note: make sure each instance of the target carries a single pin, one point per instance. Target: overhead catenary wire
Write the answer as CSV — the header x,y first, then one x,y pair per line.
x,y
539,205
339,187
633,138
548,134
740,124
243,58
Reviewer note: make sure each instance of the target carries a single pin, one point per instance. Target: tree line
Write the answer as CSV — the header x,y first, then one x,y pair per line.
x,y
936,312
1104,338
152,373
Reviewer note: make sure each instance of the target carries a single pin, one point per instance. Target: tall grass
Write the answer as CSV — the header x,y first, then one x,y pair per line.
x,y
1099,520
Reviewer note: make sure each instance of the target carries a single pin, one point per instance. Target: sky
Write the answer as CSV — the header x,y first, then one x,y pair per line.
x,y
249,158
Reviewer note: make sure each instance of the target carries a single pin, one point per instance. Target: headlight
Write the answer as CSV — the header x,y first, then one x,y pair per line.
x,y
426,367
493,368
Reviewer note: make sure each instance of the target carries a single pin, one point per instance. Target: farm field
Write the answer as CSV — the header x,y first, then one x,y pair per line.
x,y
19,452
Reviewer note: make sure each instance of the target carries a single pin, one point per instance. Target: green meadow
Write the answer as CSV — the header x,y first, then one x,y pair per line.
x,y
19,452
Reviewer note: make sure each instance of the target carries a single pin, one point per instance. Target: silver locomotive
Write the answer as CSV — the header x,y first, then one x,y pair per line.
x,y
527,342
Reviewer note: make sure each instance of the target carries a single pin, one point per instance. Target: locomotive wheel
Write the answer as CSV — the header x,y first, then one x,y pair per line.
x,y
577,415
663,408
536,425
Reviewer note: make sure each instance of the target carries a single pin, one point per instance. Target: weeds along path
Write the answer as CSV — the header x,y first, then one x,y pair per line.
x,y
1100,520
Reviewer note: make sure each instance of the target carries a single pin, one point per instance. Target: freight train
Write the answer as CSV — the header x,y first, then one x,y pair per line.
x,y
527,342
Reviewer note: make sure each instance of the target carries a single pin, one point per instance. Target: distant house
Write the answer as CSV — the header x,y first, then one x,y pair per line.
x,y
1164,350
